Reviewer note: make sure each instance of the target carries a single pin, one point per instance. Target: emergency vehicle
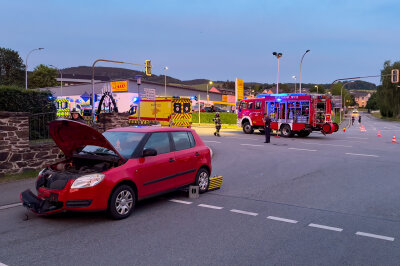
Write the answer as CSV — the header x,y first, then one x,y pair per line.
x,y
171,111
291,114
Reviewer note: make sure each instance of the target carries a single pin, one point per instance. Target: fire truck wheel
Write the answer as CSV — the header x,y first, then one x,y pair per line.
x,y
304,133
247,128
286,131
336,127
202,180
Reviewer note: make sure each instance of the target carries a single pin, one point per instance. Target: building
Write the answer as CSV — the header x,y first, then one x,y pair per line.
x,y
129,89
361,98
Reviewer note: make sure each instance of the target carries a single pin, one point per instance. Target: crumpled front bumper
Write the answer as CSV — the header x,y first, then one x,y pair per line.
x,y
40,206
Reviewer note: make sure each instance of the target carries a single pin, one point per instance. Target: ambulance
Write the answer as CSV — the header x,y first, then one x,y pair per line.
x,y
165,111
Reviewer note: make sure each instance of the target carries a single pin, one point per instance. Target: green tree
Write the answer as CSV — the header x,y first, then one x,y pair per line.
x,y
321,89
388,94
336,89
372,103
11,68
42,77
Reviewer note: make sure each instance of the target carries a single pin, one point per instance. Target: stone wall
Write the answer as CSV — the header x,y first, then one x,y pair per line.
x,y
17,154
107,121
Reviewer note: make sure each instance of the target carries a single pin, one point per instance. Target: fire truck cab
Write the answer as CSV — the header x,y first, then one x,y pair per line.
x,y
291,114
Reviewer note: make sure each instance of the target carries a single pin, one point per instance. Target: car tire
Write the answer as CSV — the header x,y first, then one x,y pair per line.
x,y
247,128
122,202
202,180
286,131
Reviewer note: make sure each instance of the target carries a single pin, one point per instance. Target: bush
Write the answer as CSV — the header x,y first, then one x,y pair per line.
x,y
16,99
226,118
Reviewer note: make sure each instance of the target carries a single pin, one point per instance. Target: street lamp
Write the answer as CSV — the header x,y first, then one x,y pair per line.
x,y
26,66
209,83
341,98
301,62
278,55
165,81
317,88
60,74
294,77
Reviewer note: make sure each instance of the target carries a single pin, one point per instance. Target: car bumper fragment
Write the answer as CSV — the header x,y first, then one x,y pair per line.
x,y
37,205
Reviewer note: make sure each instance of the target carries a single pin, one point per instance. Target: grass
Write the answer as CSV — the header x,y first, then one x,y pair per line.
x,y
378,115
226,126
21,176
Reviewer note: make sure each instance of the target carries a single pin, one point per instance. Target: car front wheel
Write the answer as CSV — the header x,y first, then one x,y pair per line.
x,y
202,180
122,202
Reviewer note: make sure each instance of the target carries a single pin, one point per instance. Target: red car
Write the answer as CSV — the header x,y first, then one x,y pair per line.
x,y
113,170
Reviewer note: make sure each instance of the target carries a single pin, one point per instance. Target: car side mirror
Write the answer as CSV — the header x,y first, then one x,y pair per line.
x,y
149,152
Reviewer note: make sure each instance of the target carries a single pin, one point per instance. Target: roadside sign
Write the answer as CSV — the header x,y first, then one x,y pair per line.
x,y
239,89
138,79
150,94
118,86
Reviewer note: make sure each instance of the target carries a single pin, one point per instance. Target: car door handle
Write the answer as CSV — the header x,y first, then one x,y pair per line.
x,y
197,154
171,160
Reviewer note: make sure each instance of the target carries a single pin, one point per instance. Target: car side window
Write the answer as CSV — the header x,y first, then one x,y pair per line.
x,y
181,140
192,141
258,105
159,142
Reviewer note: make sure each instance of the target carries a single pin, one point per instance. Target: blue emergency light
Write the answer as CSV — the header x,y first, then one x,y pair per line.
x,y
135,99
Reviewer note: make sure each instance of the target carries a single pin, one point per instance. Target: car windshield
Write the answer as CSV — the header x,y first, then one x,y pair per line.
x,y
124,142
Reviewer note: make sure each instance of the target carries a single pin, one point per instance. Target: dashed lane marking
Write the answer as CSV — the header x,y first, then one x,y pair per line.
x,y
388,238
359,154
244,212
336,145
298,149
282,219
2,264
212,141
181,201
243,138
210,206
10,206
254,145
337,229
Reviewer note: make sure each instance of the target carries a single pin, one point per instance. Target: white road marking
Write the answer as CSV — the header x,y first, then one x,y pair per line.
x,y
282,219
244,212
210,206
388,238
254,145
355,138
300,149
359,154
337,145
10,206
2,264
337,229
181,201
242,138
212,141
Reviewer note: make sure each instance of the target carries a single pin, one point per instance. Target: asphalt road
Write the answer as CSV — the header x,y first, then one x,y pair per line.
x,y
320,200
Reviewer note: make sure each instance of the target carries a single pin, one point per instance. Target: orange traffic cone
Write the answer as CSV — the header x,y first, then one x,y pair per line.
x,y
394,139
344,129
379,134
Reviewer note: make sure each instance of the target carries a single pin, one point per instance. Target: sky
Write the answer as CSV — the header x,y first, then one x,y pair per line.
x,y
216,40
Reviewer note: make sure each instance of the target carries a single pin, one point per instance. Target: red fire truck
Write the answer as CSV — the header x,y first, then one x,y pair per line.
x,y
297,113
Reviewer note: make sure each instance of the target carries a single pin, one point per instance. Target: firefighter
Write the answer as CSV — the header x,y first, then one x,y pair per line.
x,y
267,127
352,120
76,116
217,121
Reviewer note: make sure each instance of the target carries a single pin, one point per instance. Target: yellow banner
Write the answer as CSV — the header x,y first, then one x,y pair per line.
x,y
119,86
239,89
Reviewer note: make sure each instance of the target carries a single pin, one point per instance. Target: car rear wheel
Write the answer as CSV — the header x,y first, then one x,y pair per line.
x,y
122,202
202,180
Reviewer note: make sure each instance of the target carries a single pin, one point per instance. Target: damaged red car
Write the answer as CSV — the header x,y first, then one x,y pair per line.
x,y
114,170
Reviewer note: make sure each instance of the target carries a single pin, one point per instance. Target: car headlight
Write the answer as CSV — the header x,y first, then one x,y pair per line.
x,y
88,181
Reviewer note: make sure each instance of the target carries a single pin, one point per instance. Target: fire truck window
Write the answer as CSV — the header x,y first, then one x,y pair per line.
x,y
243,105
258,105
186,108
177,108
250,105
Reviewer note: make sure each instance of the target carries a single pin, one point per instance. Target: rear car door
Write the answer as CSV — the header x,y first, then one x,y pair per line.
x,y
156,173
186,156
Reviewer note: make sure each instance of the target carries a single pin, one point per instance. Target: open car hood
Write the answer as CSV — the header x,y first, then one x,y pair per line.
x,y
71,136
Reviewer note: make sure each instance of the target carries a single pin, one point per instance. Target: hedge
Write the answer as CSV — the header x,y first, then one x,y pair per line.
x,y
226,118
16,99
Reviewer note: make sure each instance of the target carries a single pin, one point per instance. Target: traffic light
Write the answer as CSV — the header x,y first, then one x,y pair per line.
x,y
395,76
148,68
